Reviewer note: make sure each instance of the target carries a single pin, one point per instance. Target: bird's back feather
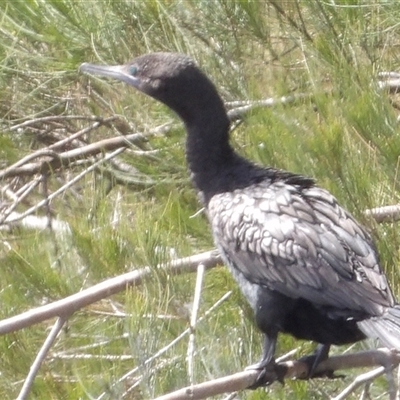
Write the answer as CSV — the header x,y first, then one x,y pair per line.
x,y
299,242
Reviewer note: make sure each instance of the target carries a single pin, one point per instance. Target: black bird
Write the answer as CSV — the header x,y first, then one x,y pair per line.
x,y
304,263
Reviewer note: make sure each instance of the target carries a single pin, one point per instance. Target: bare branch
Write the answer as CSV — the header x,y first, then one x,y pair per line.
x,y
385,214
294,369
168,346
37,223
66,186
359,381
26,189
53,160
26,388
58,118
193,321
68,305
241,108
389,81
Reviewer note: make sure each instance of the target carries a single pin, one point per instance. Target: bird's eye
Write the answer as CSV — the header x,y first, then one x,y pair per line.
x,y
133,70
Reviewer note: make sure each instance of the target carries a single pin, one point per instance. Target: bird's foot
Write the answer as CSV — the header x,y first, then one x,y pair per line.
x,y
313,361
268,374
311,365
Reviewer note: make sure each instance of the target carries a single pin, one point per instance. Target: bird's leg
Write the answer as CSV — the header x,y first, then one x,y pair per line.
x,y
269,370
320,354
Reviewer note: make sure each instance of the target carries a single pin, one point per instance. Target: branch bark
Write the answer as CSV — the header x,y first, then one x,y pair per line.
x,y
52,160
294,370
67,306
26,388
385,214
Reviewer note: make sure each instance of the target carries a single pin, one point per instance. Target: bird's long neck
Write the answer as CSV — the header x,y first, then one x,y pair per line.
x,y
212,161
214,166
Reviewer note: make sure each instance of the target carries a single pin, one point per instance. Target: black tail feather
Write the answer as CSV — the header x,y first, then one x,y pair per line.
x,y
386,327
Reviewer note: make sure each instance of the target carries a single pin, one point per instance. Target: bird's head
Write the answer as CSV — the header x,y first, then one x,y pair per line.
x,y
171,78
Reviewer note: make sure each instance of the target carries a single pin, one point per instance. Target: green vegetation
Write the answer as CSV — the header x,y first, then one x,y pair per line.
x,y
139,212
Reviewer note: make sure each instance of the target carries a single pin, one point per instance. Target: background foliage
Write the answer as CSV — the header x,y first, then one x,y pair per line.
x,y
139,209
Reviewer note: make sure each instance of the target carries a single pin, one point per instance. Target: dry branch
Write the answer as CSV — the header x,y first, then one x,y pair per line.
x,y
359,381
60,118
385,214
243,107
294,370
193,321
389,81
33,222
70,183
70,304
167,347
66,152
26,388
51,160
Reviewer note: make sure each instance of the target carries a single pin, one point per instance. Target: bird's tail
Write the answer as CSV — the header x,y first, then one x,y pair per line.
x,y
386,327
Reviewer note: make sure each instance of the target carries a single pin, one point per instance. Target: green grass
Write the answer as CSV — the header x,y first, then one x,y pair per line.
x,y
345,136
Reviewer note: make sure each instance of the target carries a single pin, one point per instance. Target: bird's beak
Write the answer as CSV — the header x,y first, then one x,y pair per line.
x,y
120,72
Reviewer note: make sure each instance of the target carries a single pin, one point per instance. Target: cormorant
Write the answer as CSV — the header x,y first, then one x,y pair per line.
x,y
304,264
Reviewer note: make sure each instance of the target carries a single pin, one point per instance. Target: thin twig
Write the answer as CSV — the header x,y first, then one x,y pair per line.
x,y
28,189
359,381
160,365
291,21
55,330
193,321
168,346
53,160
57,118
231,396
247,106
87,356
23,161
84,131
398,385
67,185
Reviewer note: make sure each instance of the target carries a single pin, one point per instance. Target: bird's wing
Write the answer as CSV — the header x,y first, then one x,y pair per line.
x,y
300,242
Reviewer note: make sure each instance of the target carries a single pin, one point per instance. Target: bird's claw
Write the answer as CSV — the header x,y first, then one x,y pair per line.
x,y
311,363
268,374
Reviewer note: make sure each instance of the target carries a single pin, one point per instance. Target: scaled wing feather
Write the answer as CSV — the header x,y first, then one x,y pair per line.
x,y
300,242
